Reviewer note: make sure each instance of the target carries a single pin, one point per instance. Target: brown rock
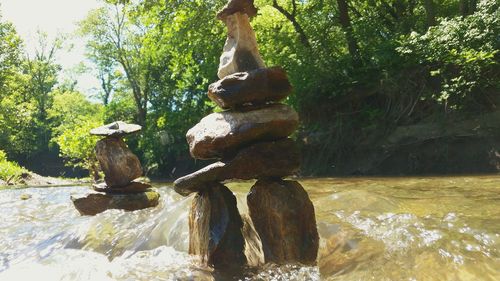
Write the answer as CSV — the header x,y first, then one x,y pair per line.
x,y
256,86
215,228
116,129
133,187
283,215
235,6
95,203
267,159
119,164
240,51
220,134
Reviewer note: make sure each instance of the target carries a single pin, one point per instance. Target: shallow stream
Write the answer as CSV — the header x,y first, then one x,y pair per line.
x,y
443,228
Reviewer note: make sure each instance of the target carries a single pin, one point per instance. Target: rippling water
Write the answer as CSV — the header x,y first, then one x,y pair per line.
x,y
371,229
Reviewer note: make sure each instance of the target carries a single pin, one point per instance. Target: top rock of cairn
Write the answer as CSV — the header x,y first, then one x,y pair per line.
x,y
237,6
116,129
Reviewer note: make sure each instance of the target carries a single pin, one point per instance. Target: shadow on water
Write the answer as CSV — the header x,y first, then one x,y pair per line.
x,y
438,228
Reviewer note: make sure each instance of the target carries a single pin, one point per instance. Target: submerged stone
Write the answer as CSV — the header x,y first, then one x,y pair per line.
x,y
133,187
119,164
116,129
267,159
255,87
240,51
220,134
237,6
215,228
283,216
95,203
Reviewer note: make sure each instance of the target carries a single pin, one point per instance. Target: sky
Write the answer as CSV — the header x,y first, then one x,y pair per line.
x,y
53,17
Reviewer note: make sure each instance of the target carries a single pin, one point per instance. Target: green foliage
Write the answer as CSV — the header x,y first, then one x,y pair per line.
x,y
9,171
462,52
77,146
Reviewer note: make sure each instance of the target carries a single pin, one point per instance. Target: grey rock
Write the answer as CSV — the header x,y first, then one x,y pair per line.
x,y
133,187
283,216
255,87
215,228
95,203
220,134
240,51
237,6
268,159
116,129
119,164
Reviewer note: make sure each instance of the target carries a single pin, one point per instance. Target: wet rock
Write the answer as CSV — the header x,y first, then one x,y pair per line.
x,y
240,51
283,215
133,187
25,196
256,86
267,159
215,228
219,134
119,164
235,6
95,203
116,129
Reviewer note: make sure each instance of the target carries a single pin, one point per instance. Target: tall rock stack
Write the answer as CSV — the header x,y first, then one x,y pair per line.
x,y
121,168
250,141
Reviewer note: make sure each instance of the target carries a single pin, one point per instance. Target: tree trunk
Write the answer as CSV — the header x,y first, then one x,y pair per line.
x,y
293,20
345,22
430,12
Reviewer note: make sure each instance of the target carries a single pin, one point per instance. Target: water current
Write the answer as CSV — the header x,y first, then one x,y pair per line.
x,y
437,228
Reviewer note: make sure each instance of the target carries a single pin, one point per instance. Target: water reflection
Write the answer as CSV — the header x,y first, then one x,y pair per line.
x,y
370,229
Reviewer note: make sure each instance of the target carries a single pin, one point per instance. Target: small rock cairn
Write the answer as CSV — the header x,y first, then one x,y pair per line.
x,y
250,139
121,168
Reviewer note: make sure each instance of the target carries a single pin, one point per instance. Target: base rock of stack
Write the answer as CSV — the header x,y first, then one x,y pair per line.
x,y
215,228
283,215
94,203
267,159
119,164
257,87
133,187
220,134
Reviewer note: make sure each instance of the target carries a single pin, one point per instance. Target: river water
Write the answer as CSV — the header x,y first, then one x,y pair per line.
x,y
443,228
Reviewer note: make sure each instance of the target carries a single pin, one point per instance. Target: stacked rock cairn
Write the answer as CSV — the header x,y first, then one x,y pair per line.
x,y
250,139
121,167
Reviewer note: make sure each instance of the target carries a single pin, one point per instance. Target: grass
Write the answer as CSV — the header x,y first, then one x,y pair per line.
x,y
9,171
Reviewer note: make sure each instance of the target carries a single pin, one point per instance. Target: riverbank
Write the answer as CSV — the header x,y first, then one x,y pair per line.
x,y
35,180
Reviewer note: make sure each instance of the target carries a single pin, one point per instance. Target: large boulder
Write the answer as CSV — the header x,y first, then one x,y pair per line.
x,y
283,216
255,87
235,6
95,203
119,164
240,51
215,228
220,134
267,159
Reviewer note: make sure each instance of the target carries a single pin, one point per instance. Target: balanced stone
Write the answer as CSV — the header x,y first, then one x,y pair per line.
x,y
266,159
133,187
255,86
95,203
220,134
116,129
240,50
215,228
119,164
283,216
235,6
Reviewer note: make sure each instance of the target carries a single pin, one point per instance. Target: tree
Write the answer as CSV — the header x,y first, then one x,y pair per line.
x,y
113,38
